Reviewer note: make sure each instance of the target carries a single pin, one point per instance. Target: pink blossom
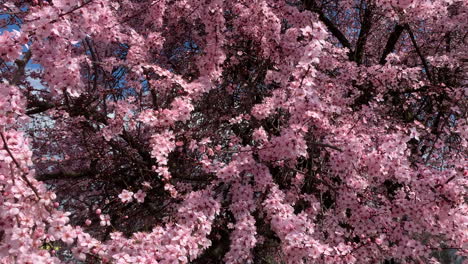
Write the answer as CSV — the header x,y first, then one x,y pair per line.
x,y
105,220
126,196
68,234
140,196
294,131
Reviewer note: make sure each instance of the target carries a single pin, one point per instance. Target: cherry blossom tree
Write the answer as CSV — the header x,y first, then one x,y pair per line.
x,y
263,131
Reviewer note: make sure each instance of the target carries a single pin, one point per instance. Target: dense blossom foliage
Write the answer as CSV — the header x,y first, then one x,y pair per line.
x,y
233,131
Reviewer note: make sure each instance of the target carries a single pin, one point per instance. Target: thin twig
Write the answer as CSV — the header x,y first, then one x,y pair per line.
x,y
22,174
326,146
418,51
21,66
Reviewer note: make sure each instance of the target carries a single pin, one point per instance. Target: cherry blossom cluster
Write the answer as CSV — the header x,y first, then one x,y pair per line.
x,y
232,131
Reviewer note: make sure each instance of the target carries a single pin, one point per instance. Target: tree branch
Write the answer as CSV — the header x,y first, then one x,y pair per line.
x,y
37,107
311,6
22,174
363,33
391,42
418,51
21,66
65,175
326,146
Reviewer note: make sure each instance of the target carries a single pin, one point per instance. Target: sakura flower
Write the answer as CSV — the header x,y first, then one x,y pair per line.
x,y
140,196
105,220
126,196
205,141
260,134
68,234
79,253
146,184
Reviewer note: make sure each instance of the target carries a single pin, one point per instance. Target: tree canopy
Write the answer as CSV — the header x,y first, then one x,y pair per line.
x,y
233,131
